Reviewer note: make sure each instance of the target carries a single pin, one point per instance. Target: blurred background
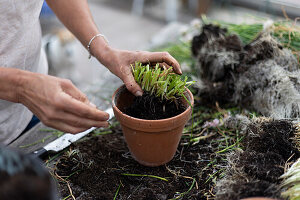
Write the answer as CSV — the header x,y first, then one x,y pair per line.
x,y
143,25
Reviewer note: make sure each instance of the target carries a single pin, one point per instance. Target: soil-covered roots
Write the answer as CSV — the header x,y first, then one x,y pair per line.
x,y
274,136
261,75
255,171
237,190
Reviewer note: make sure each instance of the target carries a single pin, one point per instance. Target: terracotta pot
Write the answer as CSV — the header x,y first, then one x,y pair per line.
x,y
151,142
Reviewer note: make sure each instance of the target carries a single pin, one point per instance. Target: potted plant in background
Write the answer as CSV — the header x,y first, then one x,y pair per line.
x,y
153,123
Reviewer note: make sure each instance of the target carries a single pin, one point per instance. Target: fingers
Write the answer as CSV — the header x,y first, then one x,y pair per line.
x,y
164,65
71,105
129,81
132,86
160,57
80,122
71,123
72,100
59,125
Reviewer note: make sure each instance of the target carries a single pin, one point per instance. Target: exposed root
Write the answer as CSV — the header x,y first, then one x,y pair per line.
x,y
255,171
66,182
262,75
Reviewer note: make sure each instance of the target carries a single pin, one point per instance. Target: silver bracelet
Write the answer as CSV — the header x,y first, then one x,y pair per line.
x,y
89,45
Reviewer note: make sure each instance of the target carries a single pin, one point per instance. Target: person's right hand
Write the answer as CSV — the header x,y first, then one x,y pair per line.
x,y
59,104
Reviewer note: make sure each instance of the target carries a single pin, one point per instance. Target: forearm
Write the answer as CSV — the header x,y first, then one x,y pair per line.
x,y
11,82
76,16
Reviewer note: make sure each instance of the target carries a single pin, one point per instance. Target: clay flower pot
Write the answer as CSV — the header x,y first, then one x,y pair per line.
x,y
151,142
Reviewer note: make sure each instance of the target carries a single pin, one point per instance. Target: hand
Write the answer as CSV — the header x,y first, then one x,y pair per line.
x,y
119,63
59,104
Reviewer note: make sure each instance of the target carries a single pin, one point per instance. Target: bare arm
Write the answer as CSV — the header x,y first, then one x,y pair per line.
x,y
10,84
76,16
56,102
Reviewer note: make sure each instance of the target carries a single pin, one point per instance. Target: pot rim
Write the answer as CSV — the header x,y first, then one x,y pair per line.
x,y
156,120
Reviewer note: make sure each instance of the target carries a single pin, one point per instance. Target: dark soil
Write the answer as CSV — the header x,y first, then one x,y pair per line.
x,y
95,167
99,163
256,170
241,190
274,136
153,108
262,166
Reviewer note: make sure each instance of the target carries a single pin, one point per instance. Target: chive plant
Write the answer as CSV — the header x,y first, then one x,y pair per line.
x,y
160,82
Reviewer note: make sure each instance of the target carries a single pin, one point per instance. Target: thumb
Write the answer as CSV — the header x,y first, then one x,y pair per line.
x,y
132,86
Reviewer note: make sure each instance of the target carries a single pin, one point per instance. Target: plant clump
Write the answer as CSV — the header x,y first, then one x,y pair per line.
x,y
261,75
162,83
164,93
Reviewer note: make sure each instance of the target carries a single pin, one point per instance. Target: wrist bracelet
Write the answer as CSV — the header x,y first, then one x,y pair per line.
x,y
89,45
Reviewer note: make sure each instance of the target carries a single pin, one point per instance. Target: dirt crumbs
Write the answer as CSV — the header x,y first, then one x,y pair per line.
x,y
101,167
215,161
152,108
255,171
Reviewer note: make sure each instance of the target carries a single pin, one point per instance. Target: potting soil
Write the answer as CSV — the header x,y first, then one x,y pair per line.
x,y
152,108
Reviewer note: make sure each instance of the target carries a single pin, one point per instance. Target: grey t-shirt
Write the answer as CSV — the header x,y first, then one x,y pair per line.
x,y
20,47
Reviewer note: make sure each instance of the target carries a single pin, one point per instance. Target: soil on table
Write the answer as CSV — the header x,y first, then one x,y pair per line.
x,y
152,108
101,167
95,172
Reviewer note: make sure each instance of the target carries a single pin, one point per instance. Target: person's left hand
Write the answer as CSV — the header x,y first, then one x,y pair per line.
x,y
119,63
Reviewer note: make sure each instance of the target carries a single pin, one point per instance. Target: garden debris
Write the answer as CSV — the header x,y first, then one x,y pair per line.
x,y
214,123
191,174
239,122
255,170
113,164
232,159
261,75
